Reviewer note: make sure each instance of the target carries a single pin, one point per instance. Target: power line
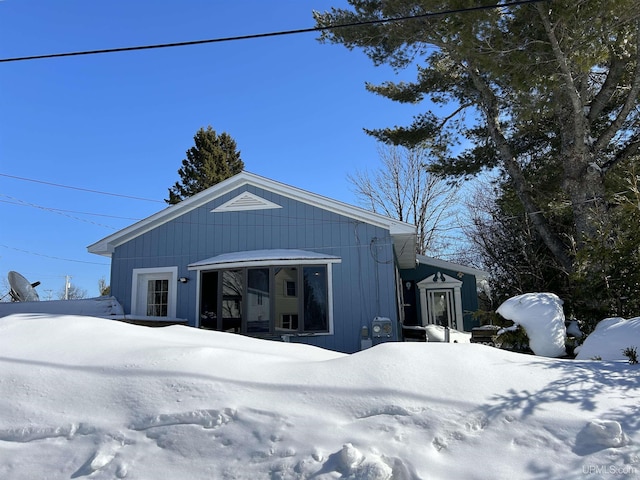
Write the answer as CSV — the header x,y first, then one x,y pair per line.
x,y
79,188
270,34
22,203
52,257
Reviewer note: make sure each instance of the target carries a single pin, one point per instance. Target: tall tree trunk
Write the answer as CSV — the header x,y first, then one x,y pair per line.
x,y
490,107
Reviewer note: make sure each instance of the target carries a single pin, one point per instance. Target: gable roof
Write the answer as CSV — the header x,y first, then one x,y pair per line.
x,y
403,234
456,267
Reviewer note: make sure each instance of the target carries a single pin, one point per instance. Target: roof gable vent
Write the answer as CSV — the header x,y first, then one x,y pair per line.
x,y
246,201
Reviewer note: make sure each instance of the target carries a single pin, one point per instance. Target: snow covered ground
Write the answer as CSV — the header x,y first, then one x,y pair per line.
x,y
82,397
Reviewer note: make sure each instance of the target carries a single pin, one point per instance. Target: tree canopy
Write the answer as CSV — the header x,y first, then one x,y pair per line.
x,y
211,160
547,93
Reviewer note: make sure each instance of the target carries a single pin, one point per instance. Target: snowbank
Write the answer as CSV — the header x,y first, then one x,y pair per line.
x,y
542,317
93,398
610,337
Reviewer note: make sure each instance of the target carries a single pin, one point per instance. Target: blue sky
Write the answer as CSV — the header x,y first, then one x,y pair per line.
x,y
121,122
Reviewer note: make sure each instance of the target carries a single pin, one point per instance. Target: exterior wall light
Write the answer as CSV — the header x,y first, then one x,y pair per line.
x,y
183,279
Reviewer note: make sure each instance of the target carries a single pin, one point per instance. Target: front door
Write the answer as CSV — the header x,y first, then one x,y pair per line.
x,y
441,307
441,301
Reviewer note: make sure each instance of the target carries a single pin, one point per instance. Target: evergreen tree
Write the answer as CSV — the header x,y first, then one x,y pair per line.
x,y
551,85
546,93
211,160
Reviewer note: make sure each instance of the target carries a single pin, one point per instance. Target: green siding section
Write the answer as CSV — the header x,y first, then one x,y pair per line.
x,y
468,291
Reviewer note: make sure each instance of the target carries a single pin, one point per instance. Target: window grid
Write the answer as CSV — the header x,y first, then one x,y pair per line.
x,y
157,298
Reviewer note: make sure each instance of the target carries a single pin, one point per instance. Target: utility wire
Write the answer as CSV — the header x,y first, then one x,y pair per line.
x,y
271,34
22,203
52,257
79,188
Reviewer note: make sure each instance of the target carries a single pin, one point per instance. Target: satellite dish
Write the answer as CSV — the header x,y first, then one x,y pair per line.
x,y
21,289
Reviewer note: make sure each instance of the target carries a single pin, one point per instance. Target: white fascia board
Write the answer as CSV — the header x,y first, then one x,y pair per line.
x,y
456,267
101,248
107,244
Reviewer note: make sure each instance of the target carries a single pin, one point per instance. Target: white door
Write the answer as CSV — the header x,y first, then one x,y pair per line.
x,y
154,292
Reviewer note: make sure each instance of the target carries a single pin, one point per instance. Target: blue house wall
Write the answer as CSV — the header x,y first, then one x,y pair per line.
x,y
363,282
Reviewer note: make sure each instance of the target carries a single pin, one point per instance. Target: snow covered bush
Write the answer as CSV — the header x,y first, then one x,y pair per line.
x,y
513,338
610,339
542,318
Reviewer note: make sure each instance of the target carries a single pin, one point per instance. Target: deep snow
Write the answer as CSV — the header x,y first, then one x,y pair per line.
x,y
610,337
82,397
542,317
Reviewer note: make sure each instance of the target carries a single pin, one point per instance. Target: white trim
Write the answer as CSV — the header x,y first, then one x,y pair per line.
x,y
264,258
244,202
443,282
396,228
170,273
329,298
455,267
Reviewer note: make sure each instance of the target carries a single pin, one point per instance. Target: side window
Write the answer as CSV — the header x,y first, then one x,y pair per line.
x,y
316,318
286,299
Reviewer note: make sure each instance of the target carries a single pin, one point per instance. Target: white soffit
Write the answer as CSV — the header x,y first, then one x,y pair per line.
x,y
246,201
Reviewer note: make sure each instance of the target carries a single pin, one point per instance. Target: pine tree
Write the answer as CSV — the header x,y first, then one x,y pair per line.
x,y
211,160
539,86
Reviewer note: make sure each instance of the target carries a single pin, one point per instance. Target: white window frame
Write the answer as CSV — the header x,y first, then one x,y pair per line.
x,y
139,286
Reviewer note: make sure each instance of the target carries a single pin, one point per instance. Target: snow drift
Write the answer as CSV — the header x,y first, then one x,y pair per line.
x,y
82,397
610,337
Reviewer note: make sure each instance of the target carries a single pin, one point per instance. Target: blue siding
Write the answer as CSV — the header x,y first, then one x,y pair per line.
x,y
363,283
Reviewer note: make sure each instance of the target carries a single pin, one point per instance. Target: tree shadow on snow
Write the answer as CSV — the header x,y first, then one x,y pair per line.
x,y
585,384
591,386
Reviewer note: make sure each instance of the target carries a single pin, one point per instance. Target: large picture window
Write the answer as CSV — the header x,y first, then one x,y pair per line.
x,y
270,300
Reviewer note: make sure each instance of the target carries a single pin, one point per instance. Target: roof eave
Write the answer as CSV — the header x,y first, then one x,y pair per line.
x,y
106,245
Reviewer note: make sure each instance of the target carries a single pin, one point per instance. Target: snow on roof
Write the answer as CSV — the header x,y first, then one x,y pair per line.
x,y
444,264
264,257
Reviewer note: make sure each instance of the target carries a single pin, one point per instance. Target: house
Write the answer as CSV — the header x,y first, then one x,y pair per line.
x,y
254,256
